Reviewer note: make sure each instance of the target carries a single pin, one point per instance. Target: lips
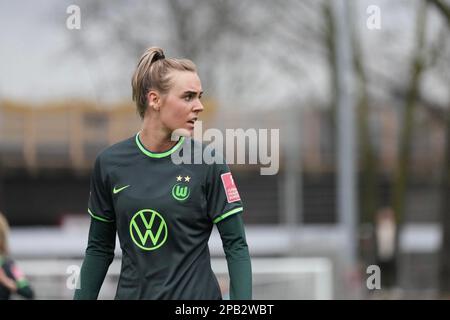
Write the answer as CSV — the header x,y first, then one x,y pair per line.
x,y
192,121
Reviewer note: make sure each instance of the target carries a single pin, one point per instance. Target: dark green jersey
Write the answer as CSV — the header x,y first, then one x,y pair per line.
x,y
164,214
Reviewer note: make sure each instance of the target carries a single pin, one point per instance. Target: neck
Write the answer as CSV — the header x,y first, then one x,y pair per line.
x,y
154,136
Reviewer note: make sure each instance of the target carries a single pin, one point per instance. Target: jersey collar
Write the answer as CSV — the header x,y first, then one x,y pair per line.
x,y
155,154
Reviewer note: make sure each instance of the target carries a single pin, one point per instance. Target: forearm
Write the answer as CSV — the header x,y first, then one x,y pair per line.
x,y
24,289
238,257
9,283
99,255
92,274
240,272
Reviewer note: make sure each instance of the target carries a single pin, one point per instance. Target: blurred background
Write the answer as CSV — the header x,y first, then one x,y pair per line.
x,y
360,91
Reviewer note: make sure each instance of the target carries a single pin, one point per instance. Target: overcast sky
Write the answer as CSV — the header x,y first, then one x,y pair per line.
x,y
34,64
32,59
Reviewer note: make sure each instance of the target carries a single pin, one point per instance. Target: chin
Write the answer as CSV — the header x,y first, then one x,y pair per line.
x,y
185,132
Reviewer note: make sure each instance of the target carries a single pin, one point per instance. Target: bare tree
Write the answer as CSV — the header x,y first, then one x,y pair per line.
x,y
368,181
406,131
443,52
208,32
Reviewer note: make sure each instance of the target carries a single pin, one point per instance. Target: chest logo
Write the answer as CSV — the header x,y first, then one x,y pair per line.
x,y
181,191
116,190
148,229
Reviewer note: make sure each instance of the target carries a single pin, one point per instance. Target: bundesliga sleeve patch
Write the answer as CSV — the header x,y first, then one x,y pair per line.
x,y
230,188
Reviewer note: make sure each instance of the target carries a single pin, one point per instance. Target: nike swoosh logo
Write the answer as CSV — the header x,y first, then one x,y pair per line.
x,y
115,191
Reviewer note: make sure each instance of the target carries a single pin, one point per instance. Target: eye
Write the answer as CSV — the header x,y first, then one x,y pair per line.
x,y
188,97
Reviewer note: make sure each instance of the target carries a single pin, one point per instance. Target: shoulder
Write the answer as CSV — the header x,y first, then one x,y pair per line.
x,y
117,152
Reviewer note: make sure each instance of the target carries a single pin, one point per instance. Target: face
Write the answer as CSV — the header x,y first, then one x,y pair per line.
x,y
180,107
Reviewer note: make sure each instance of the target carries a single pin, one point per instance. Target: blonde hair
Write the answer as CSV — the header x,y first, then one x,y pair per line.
x,y
4,232
153,73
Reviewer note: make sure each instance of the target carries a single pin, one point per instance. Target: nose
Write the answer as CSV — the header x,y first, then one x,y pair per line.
x,y
198,107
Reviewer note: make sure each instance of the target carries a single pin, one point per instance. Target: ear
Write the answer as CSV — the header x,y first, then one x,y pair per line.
x,y
153,99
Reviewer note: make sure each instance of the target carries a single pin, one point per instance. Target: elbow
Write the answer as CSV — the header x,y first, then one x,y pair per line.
x,y
237,250
106,252
107,255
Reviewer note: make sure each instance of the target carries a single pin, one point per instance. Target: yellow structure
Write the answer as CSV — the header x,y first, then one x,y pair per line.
x,y
61,134
66,134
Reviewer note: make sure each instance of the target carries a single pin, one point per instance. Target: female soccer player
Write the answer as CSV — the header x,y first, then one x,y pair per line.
x,y
163,212
12,279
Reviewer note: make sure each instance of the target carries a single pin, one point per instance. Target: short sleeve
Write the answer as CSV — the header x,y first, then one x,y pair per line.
x,y
222,195
100,205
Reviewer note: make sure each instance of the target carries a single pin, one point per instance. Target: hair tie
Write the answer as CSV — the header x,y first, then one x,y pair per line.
x,y
159,56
